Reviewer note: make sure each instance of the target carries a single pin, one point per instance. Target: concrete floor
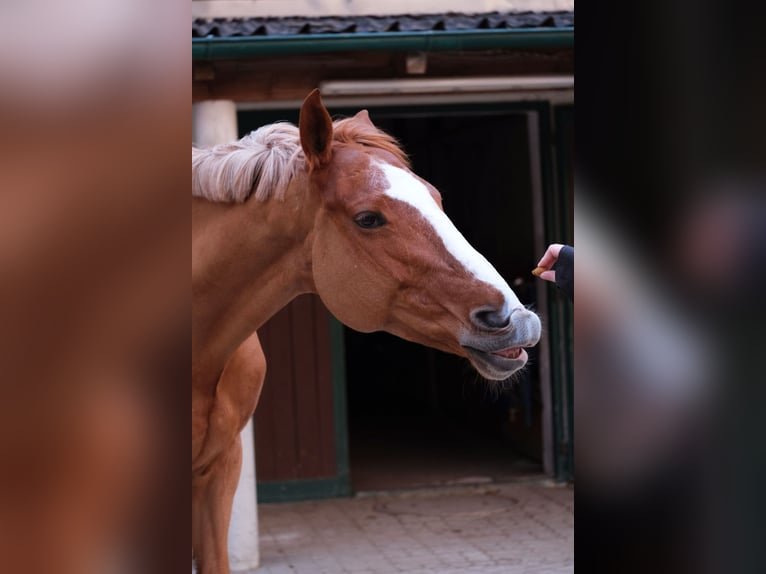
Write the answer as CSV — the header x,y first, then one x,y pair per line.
x,y
510,528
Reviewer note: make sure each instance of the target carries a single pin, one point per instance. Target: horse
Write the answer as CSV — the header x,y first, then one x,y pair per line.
x,y
331,208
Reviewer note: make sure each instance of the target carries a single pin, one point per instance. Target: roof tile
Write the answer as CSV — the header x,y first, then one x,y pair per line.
x,y
231,27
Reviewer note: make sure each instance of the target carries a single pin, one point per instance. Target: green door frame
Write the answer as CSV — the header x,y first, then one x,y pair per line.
x,y
559,229
557,217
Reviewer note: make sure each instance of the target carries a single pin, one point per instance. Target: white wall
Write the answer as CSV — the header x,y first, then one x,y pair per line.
x,y
246,8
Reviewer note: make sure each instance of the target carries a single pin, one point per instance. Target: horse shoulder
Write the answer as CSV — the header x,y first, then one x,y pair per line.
x,y
218,419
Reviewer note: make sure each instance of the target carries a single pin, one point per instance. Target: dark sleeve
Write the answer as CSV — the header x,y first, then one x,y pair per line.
x,y
564,268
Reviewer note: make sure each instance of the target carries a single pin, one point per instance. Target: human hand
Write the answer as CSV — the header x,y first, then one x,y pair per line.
x,y
543,269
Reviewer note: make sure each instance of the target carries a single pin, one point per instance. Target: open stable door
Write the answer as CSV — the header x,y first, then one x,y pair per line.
x,y
511,194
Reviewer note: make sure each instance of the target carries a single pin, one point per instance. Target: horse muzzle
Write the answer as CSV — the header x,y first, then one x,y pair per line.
x,y
497,355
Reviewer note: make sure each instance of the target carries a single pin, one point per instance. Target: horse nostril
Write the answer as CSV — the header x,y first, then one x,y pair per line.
x,y
491,318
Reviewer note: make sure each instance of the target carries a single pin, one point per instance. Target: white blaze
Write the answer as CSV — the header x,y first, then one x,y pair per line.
x,y
403,186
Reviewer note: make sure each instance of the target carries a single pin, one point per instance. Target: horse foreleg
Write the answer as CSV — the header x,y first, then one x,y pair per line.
x,y
212,498
217,454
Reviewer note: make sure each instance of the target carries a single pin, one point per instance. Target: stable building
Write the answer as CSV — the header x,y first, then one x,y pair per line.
x,y
483,103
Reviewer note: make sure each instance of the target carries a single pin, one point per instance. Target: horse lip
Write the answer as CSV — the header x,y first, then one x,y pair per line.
x,y
494,366
509,353
494,347
495,352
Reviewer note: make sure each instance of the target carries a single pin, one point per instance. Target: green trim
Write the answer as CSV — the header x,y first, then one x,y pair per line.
x,y
564,125
295,490
249,120
213,48
557,230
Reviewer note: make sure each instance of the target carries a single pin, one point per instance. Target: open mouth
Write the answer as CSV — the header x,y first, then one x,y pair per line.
x,y
497,365
509,353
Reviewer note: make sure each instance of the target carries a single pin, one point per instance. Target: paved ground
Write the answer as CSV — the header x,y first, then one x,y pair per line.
x,y
513,528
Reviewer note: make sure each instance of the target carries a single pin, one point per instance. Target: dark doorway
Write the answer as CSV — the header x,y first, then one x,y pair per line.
x,y
420,417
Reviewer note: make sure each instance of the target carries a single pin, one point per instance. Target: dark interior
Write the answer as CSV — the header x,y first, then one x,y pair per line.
x,y
420,417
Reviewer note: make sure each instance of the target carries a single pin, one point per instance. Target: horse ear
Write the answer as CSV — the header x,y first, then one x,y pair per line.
x,y
364,117
315,126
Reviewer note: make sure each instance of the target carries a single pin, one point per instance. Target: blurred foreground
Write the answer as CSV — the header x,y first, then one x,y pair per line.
x,y
94,303
670,227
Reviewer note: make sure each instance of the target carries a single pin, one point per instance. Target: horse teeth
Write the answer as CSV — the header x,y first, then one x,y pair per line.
x,y
511,353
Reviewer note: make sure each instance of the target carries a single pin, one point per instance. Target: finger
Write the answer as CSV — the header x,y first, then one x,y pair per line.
x,y
550,256
548,276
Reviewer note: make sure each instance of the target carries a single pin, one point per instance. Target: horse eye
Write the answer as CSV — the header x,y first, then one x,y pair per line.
x,y
369,220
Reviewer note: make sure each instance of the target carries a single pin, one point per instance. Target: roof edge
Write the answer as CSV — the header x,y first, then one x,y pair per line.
x,y
215,48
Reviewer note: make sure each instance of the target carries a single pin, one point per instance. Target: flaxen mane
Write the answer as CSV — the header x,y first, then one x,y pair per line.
x,y
263,162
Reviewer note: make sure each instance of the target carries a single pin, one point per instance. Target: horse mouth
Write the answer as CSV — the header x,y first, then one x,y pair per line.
x,y
497,365
510,353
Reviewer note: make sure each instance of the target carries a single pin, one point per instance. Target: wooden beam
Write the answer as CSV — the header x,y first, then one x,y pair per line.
x,y
291,77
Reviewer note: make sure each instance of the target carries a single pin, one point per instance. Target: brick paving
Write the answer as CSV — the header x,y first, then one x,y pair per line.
x,y
512,528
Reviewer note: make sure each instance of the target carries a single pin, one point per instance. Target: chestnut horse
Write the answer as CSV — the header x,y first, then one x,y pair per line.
x,y
333,209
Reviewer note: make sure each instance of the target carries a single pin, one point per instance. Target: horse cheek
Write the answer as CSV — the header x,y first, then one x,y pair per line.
x,y
346,286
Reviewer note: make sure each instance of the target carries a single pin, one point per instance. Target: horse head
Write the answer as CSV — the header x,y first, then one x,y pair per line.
x,y
385,256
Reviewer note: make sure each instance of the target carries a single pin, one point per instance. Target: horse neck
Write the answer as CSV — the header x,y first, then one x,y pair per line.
x,y
248,261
